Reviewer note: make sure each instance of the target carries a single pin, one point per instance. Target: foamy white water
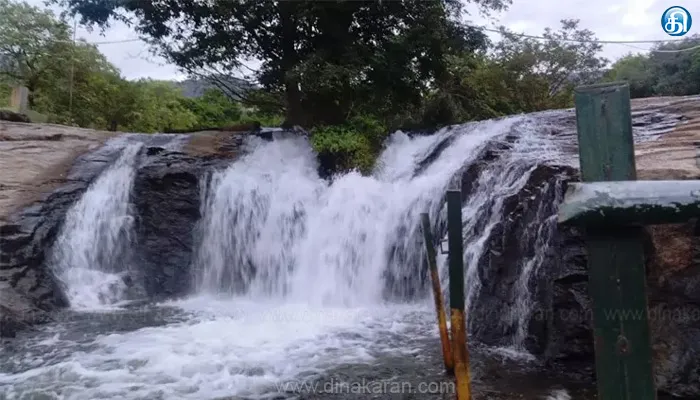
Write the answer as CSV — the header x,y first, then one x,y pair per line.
x,y
295,275
89,253
235,347
272,227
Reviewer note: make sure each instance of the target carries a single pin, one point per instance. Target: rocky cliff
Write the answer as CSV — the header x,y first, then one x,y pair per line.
x,y
559,329
44,169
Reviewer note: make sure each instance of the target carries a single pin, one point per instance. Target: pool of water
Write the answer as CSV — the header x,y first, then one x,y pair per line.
x,y
209,348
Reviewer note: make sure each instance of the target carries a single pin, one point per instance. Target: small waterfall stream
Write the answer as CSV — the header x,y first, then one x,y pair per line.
x,y
90,253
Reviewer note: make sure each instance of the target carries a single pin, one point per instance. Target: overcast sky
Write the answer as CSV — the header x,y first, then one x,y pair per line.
x,y
609,19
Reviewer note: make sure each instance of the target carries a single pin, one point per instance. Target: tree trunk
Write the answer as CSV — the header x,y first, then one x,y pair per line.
x,y
31,87
294,112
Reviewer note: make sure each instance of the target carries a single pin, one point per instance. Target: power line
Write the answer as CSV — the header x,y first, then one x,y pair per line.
x,y
98,42
116,41
501,32
596,41
578,40
673,51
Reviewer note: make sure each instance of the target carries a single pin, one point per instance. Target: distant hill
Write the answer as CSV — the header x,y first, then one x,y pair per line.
x,y
195,87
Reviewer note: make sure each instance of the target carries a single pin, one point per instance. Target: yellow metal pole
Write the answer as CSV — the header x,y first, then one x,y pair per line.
x,y
461,354
437,294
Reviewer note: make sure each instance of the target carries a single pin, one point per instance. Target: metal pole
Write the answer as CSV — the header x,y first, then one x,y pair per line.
x,y
437,294
616,267
458,324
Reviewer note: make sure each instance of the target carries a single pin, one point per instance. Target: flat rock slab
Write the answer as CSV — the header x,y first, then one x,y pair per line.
x,y
36,158
675,154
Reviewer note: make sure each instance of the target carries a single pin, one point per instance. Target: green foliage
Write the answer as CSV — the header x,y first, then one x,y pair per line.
x,y
214,109
353,145
328,60
351,71
5,92
666,71
638,71
30,41
555,62
263,119
160,106
81,88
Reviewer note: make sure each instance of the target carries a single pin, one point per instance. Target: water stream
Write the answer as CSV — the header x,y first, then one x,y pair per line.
x,y
93,245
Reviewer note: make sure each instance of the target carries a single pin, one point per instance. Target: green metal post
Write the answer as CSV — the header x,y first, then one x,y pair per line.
x,y
457,312
617,283
456,250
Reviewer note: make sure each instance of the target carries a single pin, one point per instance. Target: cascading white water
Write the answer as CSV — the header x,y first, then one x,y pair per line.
x,y
90,253
484,211
272,227
254,215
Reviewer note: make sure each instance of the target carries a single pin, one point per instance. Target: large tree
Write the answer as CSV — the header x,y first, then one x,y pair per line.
x,y
677,66
30,39
325,59
565,58
669,69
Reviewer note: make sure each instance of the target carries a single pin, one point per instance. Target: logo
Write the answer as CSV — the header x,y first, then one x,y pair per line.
x,y
676,21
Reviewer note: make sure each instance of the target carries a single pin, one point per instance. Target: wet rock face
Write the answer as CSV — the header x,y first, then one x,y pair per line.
x,y
28,290
559,328
673,293
524,233
166,198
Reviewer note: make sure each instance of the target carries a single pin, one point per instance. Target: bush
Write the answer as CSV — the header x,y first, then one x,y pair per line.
x,y
265,120
353,145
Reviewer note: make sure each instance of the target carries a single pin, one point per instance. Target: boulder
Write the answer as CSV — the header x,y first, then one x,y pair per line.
x,y
12,116
29,289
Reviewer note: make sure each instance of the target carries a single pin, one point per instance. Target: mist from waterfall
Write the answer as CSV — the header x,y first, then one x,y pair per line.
x,y
90,254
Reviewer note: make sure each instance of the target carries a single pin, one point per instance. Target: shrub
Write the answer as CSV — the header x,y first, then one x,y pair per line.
x,y
353,145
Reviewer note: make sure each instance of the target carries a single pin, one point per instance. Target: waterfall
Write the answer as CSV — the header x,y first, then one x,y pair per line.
x,y
90,254
273,227
484,212
300,279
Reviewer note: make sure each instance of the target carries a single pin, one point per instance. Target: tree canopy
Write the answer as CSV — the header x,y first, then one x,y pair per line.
x,y
350,71
324,60
670,69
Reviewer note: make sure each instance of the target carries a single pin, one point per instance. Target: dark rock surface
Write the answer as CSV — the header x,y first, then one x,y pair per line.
x,y
166,197
28,290
12,116
559,327
524,233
